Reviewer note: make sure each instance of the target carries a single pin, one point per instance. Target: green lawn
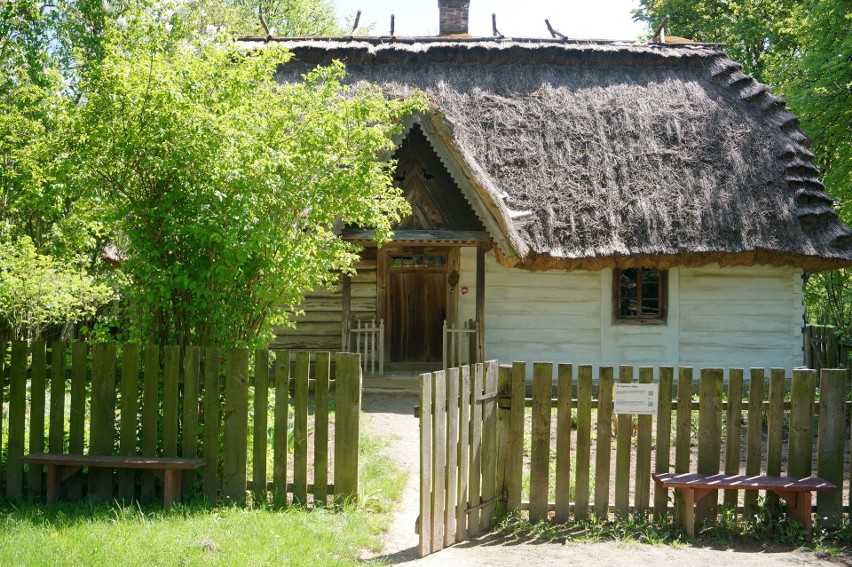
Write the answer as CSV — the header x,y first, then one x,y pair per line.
x,y
99,534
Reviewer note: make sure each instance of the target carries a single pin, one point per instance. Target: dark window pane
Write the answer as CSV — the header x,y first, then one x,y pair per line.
x,y
650,308
628,308
650,275
651,290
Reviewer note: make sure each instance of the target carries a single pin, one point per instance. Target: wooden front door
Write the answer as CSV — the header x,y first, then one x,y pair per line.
x,y
417,306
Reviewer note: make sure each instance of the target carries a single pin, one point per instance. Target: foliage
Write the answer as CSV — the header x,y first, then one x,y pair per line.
x,y
223,185
130,138
828,299
37,291
292,18
803,50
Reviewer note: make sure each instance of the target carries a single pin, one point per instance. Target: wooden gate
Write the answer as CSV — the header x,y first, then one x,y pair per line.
x,y
458,454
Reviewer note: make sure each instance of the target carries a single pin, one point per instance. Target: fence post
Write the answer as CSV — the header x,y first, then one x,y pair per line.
x,y
321,381
806,346
683,440
503,417
540,440
300,428
734,427
754,435
171,387
347,425
211,423
584,442
37,385
425,545
662,457
603,459
236,425
77,413
831,354
775,424
622,450
189,426
282,420
564,388
515,462
644,424
800,450
150,411
17,415
129,419
3,349
831,444
261,404
489,445
709,437
452,404
463,455
102,425
56,443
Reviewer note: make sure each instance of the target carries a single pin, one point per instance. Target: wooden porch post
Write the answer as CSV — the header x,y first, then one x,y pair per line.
x,y
347,310
480,303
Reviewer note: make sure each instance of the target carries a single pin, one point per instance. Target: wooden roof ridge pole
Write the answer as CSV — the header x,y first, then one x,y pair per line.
x,y
661,31
356,23
263,23
553,32
494,30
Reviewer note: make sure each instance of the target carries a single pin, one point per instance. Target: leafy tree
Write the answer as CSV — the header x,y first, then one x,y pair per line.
x,y
222,185
803,49
37,291
292,18
137,130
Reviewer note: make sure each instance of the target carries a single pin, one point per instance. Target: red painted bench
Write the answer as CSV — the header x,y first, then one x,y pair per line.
x,y
60,467
796,492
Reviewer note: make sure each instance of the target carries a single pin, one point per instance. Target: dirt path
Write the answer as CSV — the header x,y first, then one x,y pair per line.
x,y
393,415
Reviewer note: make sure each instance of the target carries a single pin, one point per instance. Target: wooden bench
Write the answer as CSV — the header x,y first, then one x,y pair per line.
x,y
796,492
60,467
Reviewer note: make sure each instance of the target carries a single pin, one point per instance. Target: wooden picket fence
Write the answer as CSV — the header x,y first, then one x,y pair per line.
x,y
583,460
458,454
101,400
789,432
823,348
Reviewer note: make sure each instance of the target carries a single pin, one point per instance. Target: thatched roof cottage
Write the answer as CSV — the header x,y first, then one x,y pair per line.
x,y
592,202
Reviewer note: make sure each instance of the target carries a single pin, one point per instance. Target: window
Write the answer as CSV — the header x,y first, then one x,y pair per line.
x,y
418,261
640,295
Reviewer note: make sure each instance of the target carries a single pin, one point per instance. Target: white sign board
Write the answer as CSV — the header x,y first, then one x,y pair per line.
x,y
639,399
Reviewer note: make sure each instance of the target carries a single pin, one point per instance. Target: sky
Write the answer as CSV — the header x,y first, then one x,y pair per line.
x,y
577,19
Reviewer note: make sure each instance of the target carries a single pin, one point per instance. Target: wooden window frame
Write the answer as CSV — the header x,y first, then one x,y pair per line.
x,y
660,319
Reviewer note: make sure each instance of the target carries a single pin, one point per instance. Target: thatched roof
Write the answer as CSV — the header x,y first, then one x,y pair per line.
x,y
593,154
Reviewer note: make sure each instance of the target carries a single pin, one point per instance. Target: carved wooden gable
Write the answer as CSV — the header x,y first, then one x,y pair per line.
x,y
436,201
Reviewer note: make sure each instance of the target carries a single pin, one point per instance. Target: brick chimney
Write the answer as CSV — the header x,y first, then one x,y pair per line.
x,y
453,16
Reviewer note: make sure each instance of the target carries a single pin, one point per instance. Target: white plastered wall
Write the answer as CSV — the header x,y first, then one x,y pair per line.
x,y
717,317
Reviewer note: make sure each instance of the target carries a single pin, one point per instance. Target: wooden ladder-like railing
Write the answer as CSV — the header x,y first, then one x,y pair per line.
x,y
367,338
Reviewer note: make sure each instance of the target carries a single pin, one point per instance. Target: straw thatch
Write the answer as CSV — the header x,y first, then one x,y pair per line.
x,y
611,154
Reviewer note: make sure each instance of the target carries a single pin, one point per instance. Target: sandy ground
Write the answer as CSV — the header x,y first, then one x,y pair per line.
x,y
393,415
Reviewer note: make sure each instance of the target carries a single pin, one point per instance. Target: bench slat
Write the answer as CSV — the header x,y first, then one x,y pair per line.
x,y
716,481
114,461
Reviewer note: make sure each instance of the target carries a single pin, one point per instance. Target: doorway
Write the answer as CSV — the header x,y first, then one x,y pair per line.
x,y
416,305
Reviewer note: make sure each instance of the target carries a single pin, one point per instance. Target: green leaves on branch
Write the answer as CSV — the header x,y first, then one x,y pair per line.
x,y
37,291
225,186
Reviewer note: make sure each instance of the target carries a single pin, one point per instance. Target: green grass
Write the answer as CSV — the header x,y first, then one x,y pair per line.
x,y
192,534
